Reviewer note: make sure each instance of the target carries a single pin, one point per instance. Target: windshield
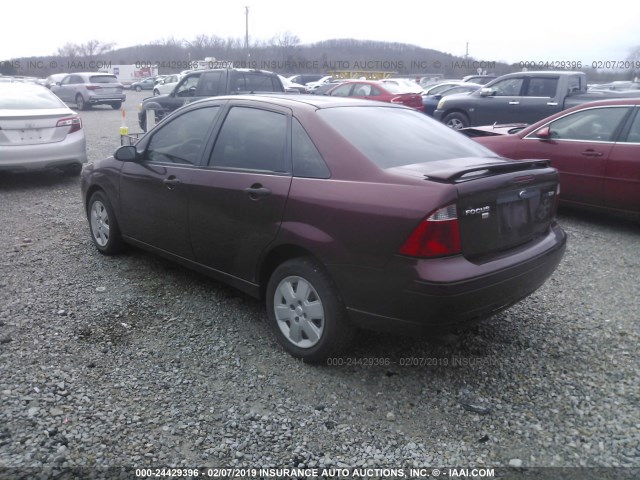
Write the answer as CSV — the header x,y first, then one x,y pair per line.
x,y
103,79
393,137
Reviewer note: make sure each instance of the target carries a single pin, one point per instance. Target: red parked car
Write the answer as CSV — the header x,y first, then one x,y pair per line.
x,y
339,213
383,92
594,146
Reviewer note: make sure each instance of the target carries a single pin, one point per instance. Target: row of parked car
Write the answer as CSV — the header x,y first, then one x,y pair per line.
x,y
592,145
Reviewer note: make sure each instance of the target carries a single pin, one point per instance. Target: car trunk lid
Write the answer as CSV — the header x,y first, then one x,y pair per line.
x,y
501,203
19,129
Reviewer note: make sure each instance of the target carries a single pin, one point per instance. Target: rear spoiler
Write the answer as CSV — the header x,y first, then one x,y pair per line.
x,y
452,175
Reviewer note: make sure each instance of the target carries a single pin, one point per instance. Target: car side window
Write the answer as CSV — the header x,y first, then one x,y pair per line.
x,y
307,161
634,131
342,90
362,90
375,92
542,87
188,87
210,85
180,140
509,87
251,139
594,124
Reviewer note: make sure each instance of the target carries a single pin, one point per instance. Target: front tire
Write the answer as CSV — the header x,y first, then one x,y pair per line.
x,y
456,120
103,225
138,88
156,93
306,312
72,170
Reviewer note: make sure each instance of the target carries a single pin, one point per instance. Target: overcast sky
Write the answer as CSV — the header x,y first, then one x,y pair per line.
x,y
495,30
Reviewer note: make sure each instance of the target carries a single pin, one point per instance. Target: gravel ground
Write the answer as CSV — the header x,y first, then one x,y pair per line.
x,y
133,361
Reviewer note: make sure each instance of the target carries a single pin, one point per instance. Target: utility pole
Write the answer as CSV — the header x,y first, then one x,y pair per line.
x,y
246,31
466,55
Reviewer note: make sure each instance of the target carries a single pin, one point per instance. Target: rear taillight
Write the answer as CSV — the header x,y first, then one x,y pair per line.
x,y
93,87
74,123
436,236
396,100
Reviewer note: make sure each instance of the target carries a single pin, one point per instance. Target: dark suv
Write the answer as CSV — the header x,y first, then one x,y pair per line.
x,y
209,83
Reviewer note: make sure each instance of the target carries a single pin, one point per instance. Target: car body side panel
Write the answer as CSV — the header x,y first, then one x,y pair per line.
x,y
581,166
153,211
622,177
229,227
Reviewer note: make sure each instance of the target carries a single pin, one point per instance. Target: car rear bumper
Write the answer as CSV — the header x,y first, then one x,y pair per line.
x,y
72,150
447,292
107,99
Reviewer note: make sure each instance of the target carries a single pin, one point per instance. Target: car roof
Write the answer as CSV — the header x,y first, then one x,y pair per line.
x,y
304,100
22,86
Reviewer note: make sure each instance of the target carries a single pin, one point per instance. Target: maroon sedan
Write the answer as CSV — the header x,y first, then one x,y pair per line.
x,y
595,147
339,213
383,92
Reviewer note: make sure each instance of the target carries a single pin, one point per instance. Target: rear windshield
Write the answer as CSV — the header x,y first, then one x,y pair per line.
x,y
103,79
29,99
393,137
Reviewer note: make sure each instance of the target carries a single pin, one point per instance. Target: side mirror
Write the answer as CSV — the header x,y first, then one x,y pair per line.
x,y
487,92
437,96
126,153
544,133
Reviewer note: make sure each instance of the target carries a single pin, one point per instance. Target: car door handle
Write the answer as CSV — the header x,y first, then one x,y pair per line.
x,y
552,104
257,191
514,103
591,153
171,182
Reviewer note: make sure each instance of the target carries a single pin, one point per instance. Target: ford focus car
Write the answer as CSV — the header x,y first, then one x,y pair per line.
x,y
339,213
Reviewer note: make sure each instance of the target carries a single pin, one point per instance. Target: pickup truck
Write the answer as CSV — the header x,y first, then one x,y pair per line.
x,y
522,97
209,83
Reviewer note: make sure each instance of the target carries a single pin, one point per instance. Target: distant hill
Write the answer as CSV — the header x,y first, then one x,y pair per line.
x,y
284,55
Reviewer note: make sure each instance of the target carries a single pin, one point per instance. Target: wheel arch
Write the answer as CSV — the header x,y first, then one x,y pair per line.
x,y
276,257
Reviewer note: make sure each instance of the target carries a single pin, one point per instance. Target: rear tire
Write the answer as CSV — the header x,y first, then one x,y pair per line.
x,y
80,103
116,105
456,120
103,225
156,93
306,312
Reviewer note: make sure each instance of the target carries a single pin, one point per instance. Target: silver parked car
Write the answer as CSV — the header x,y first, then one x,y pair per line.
x,y
38,131
87,89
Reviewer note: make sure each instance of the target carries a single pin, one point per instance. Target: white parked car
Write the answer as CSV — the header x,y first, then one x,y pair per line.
x,y
311,86
165,86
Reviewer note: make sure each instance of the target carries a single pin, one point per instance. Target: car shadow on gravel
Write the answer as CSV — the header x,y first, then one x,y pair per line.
x,y
45,178
623,222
